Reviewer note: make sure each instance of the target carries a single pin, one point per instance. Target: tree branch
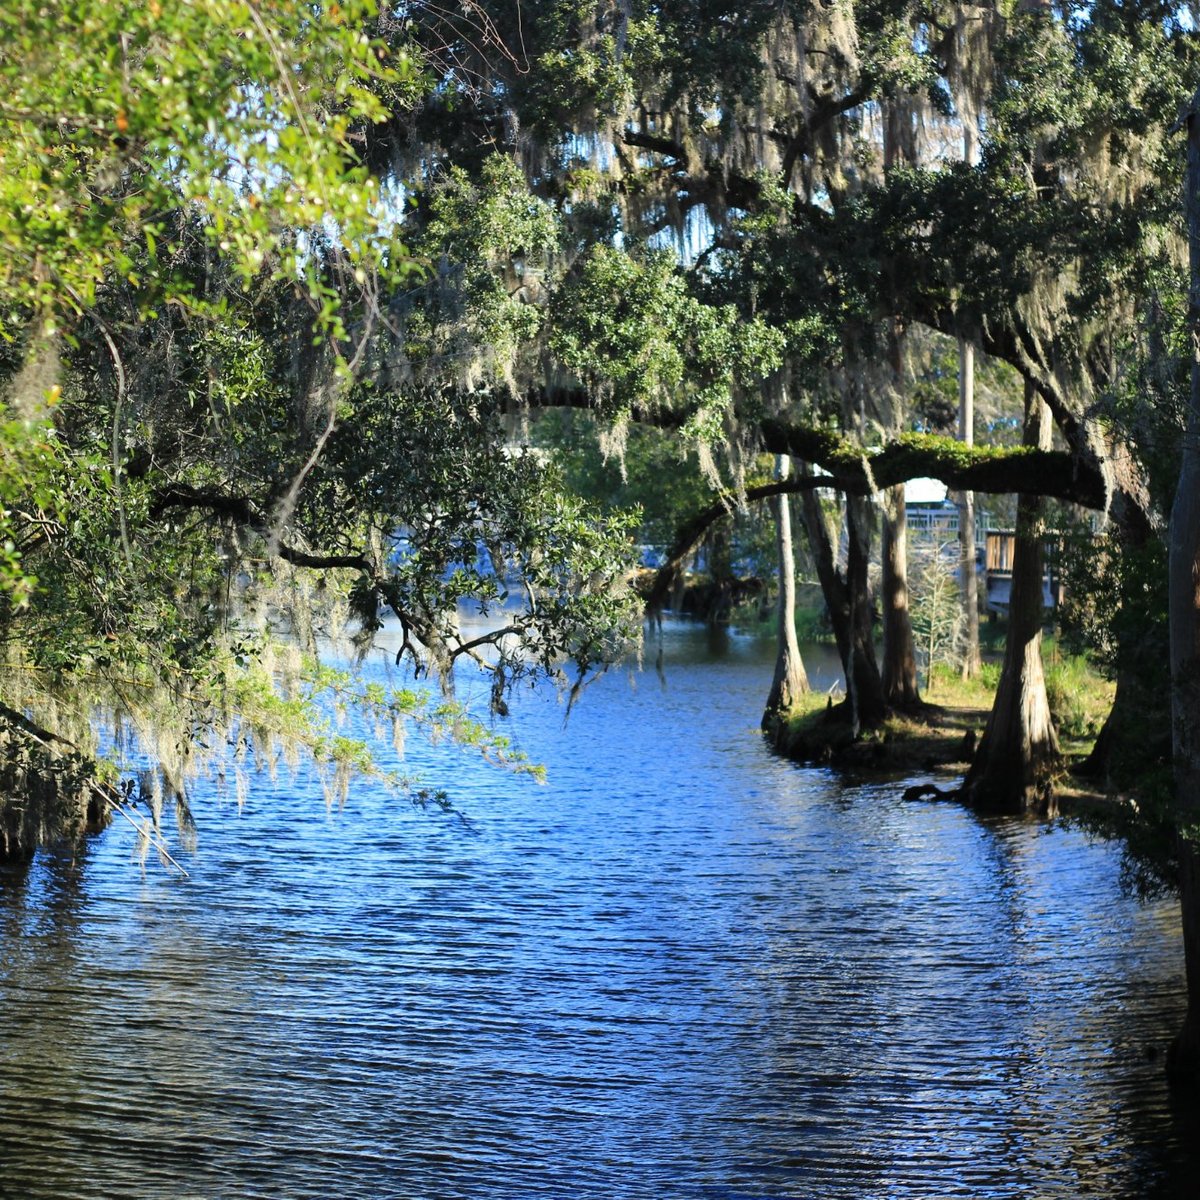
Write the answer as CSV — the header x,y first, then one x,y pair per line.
x,y
650,141
691,534
1057,474
825,109
45,737
856,472
241,511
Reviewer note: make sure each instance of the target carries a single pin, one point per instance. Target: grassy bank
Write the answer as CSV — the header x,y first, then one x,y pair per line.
x,y
939,736
942,735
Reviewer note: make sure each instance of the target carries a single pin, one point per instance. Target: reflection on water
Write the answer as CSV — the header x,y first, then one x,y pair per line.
x,y
683,968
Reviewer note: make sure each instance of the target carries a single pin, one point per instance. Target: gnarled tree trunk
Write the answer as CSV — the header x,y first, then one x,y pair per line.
x,y
1018,754
899,651
791,680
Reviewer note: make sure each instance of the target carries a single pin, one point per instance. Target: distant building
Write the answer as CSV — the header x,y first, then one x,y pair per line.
x,y
999,549
932,520
932,517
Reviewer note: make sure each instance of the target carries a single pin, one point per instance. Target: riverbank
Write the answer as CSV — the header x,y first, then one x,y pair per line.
x,y
942,734
936,738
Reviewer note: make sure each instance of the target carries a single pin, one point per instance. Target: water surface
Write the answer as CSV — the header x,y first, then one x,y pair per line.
x,y
683,968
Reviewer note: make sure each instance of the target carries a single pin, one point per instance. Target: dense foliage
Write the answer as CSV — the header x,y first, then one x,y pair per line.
x,y
224,425
777,218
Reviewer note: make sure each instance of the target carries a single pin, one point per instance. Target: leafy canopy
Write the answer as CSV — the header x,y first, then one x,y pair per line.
x,y
216,426
120,118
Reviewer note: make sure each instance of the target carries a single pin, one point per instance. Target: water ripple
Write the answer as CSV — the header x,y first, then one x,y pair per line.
x,y
683,968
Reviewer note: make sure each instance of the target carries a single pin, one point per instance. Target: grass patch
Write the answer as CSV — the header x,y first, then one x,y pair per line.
x,y
1080,698
947,687
816,731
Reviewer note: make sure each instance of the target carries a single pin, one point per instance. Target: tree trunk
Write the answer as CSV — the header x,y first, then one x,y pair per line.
x,y
1183,577
1018,754
971,660
899,652
790,681
868,707
833,587
848,602
1135,738
1098,764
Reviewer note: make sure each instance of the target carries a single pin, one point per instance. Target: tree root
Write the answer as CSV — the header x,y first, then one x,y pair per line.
x,y
928,791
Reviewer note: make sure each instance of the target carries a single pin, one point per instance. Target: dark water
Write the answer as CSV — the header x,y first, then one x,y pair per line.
x,y
683,968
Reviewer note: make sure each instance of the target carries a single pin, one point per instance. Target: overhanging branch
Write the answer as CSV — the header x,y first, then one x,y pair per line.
x,y
690,535
242,511
1056,474
1018,469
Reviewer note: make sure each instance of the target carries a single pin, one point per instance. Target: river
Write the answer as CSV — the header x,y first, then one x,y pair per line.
x,y
682,968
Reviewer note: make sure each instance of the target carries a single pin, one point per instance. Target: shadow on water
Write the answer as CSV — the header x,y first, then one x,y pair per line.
x,y
682,968
1103,1049
47,887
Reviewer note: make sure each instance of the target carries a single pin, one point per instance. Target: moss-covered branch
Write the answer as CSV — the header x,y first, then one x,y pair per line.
x,y
1018,469
1057,474
1053,473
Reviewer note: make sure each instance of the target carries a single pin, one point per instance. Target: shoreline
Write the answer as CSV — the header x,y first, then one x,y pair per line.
x,y
935,741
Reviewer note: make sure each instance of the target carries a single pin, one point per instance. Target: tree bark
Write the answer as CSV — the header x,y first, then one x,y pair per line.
x,y
833,586
971,660
1135,738
1018,753
790,681
1183,575
848,602
1098,764
868,706
899,652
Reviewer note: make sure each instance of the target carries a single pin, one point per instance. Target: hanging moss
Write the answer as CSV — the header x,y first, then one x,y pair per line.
x,y
47,789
